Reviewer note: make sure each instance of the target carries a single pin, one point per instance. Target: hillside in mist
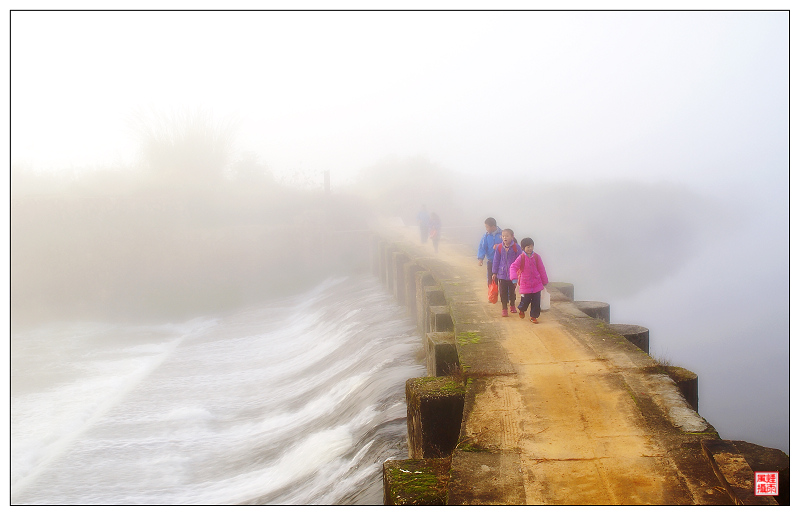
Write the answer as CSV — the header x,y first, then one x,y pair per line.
x,y
189,229
116,243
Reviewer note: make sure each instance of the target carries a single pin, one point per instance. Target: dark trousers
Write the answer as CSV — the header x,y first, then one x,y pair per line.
x,y
488,273
535,302
508,292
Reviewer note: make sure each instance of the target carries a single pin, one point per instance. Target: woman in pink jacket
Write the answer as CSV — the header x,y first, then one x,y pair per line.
x,y
529,269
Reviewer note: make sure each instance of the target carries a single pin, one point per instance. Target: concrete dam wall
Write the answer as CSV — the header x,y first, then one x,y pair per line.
x,y
569,411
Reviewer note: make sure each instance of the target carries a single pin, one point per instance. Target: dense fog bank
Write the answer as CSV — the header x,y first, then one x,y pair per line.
x,y
160,251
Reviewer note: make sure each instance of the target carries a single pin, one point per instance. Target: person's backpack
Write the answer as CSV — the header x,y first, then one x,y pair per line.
x,y
500,247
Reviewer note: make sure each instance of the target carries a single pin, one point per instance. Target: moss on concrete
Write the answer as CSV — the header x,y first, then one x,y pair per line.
x,y
471,447
468,337
416,482
433,385
603,330
678,374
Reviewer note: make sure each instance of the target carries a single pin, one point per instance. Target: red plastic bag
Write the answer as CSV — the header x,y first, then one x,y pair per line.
x,y
493,293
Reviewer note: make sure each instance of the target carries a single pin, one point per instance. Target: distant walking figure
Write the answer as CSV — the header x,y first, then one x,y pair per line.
x,y
529,269
424,222
436,231
504,256
492,237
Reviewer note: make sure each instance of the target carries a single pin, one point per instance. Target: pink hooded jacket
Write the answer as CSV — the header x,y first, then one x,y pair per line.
x,y
531,273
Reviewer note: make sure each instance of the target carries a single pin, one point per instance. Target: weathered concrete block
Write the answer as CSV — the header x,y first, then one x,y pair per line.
x,y
423,279
441,353
410,270
416,481
639,336
439,319
596,309
435,409
486,478
435,296
687,384
432,296
761,458
398,283
734,472
566,289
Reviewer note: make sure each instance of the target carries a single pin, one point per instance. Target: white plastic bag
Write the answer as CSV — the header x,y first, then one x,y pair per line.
x,y
545,304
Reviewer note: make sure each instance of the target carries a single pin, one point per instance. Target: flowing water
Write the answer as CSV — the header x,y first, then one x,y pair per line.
x,y
291,402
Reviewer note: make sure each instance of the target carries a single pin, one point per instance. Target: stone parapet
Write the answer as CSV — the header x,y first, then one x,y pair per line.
x,y
448,420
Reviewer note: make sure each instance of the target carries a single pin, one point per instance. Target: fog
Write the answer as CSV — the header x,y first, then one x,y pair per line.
x,y
166,164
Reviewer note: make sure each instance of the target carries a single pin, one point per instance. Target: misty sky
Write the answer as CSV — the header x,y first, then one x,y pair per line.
x,y
695,97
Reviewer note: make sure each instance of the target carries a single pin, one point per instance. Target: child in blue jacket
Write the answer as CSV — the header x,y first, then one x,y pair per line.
x,y
492,237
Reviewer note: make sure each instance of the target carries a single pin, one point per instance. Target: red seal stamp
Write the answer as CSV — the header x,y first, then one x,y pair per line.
x,y
766,483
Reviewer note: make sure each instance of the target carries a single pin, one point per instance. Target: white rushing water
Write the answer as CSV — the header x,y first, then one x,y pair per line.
x,y
292,402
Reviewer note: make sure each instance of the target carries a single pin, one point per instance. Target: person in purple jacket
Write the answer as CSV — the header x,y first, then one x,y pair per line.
x,y
529,270
504,255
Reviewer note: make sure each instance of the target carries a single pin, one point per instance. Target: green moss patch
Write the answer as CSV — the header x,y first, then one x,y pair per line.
x,y
471,447
433,385
468,337
416,482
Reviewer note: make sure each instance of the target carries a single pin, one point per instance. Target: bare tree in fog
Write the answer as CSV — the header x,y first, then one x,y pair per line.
x,y
189,231
188,145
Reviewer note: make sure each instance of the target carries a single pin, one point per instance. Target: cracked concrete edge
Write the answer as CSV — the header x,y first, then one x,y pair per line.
x,y
625,357
482,478
734,472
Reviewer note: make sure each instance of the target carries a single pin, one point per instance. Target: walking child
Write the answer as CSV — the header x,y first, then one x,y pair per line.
x,y
504,255
529,270
492,237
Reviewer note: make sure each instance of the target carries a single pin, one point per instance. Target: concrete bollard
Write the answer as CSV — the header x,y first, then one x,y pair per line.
x,y
423,279
410,270
435,408
687,383
432,296
441,354
567,289
639,336
596,309
439,319
398,282
388,273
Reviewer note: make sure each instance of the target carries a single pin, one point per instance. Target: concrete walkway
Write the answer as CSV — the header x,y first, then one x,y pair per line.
x,y
564,411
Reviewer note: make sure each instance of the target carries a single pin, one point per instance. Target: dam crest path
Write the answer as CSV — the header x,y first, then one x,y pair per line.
x,y
564,412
